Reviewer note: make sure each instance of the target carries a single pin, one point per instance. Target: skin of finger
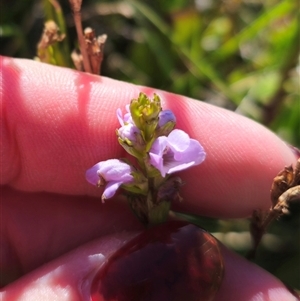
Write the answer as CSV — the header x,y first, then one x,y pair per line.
x,y
57,123
244,280
70,276
35,228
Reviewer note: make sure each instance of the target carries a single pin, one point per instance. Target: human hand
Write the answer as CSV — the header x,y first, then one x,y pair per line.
x,y
55,124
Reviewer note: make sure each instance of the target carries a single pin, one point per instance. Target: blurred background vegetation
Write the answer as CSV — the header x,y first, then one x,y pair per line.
x,y
242,55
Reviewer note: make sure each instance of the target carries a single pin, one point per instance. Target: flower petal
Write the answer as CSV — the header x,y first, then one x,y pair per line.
x,y
126,118
115,170
156,153
91,174
178,140
159,145
181,166
110,170
194,152
128,131
166,116
156,161
175,152
110,190
120,116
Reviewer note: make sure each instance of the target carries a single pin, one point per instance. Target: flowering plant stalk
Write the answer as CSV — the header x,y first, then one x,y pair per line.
x,y
147,133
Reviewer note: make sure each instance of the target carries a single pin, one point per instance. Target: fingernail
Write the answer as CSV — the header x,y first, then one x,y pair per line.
x,y
173,261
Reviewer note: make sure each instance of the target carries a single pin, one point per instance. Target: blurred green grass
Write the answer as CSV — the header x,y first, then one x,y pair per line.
x,y
242,55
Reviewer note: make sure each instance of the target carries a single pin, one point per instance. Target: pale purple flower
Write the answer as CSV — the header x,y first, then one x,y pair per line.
x,y
128,129
175,152
126,118
111,173
166,116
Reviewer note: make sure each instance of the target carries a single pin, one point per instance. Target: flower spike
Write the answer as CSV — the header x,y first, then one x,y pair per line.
x,y
147,133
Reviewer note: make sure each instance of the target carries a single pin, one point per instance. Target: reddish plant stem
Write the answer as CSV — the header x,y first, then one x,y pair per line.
x,y
76,7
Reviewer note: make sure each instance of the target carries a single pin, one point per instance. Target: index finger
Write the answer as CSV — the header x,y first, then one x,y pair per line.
x,y
56,123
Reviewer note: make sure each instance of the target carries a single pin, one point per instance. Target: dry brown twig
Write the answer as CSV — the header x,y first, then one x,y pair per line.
x,y
95,47
76,8
285,190
91,47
